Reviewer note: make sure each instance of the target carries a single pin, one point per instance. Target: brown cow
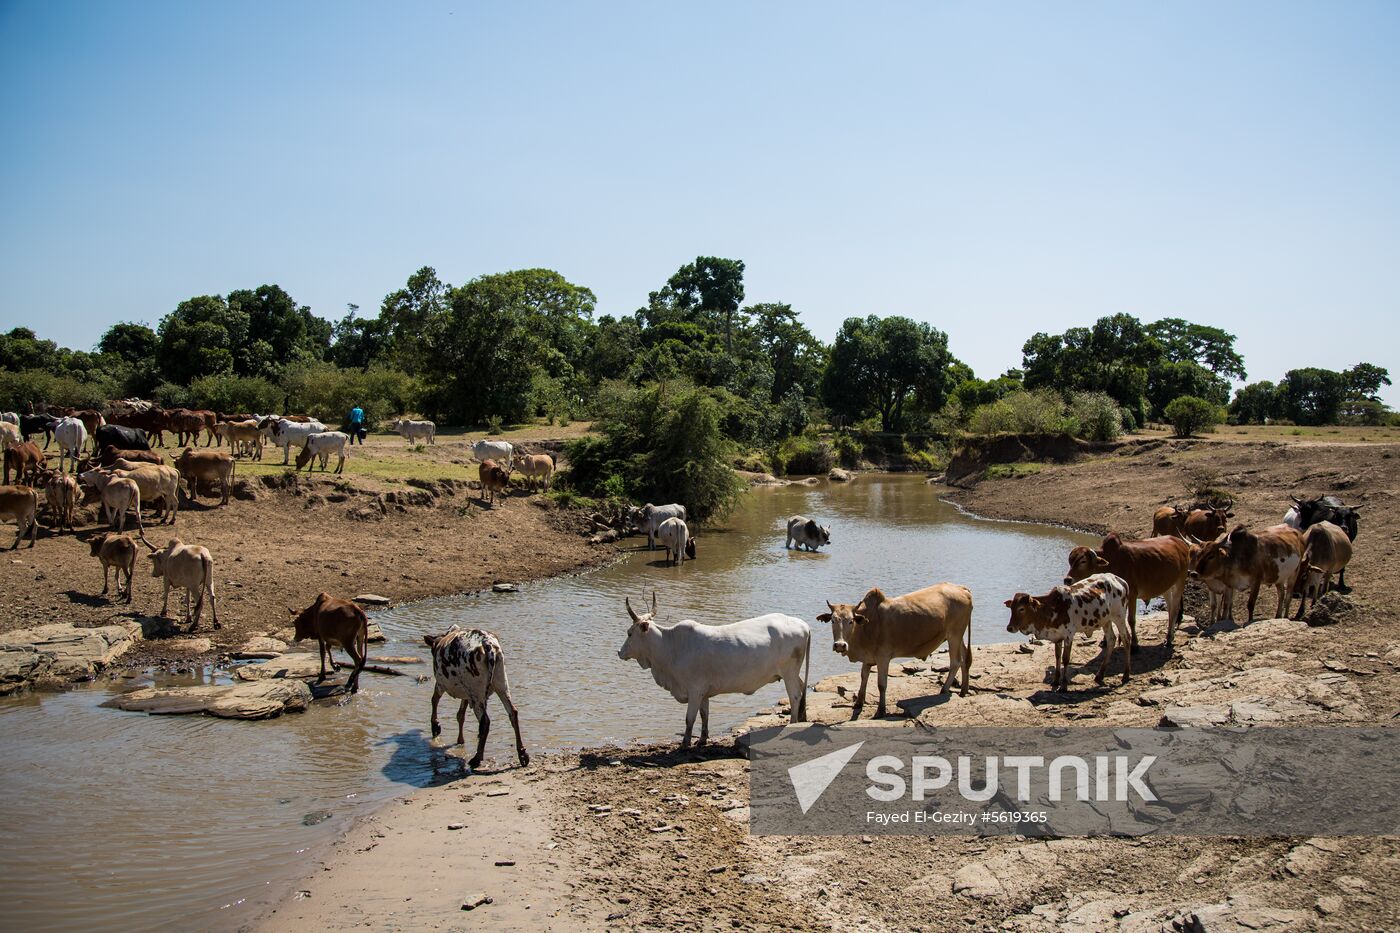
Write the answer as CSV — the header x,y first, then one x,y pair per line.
x,y
111,453
1151,567
880,628
1326,550
1243,560
334,621
494,479
92,420
198,466
116,552
1199,524
20,504
63,495
154,421
186,425
26,460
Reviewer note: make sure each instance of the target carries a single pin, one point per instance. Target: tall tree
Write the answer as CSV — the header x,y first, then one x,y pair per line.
x,y
1364,380
707,292
792,353
200,338
1313,396
1210,347
132,342
279,331
886,365
411,313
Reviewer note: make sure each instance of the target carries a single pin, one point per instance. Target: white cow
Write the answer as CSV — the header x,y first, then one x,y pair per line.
x,y
806,533
287,434
10,417
189,567
675,538
694,662
71,435
412,431
649,518
323,445
503,452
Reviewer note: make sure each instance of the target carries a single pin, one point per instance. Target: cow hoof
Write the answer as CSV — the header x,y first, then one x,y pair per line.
x,y
437,730
474,763
524,758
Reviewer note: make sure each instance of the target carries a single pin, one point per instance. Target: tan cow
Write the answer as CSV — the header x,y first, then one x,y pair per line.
x,y
1243,560
537,469
244,438
190,567
118,495
1151,567
20,504
25,459
63,495
1326,550
116,552
156,482
879,628
198,466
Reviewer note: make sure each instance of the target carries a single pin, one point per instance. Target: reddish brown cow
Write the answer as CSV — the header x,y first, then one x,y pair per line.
x,y
198,466
1151,567
26,460
154,421
1200,524
111,454
186,424
494,479
1243,560
334,621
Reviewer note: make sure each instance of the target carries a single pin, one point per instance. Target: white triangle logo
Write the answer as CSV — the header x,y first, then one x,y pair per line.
x,y
811,778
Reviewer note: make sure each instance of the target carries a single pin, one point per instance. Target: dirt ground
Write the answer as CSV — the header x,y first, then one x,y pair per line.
x,y
285,537
653,838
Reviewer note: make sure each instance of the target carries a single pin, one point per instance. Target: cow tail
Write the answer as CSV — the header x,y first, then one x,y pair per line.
x,y
967,656
806,679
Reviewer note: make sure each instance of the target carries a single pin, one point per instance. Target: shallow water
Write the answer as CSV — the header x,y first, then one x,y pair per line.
x,y
122,821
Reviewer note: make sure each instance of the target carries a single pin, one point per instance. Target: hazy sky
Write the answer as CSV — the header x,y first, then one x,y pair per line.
x,y
995,169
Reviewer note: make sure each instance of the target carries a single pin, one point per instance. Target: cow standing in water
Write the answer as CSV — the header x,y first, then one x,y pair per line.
x,y
333,621
469,665
806,533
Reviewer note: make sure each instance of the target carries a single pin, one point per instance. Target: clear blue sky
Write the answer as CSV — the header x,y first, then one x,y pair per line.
x,y
996,169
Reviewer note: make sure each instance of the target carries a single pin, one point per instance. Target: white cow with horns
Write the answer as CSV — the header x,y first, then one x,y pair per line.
x,y
287,434
503,452
414,431
694,662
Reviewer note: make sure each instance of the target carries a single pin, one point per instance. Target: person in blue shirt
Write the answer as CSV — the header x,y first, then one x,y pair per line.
x,y
356,424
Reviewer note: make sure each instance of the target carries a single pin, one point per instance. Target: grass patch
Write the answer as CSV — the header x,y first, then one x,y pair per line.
x,y
1013,470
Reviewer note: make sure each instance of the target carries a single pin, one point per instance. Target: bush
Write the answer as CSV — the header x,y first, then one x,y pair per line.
x,y
931,459
19,390
1191,415
1099,417
848,450
805,455
1021,412
229,393
327,392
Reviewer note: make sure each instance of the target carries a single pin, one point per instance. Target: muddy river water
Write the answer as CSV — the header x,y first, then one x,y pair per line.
x,y
120,821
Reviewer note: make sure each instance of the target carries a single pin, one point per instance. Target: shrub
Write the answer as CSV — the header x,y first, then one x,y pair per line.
x,y
1190,415
229,393
328,392
19,390
804,455
1021,412
848,450
931,459
1099,417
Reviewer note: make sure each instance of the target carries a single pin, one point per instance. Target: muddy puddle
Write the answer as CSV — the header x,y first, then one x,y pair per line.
x,y
121,821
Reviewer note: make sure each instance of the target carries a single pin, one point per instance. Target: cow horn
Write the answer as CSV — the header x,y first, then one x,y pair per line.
x,y
141,532
653,602
627,600
830,606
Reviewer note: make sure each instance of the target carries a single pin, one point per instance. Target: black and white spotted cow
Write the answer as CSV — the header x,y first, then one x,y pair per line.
x,y
469,665
1096,602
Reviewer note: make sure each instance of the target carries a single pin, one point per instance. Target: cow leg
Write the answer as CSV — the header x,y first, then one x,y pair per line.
x,y
461,723
1285,597
165,601
128,584
106,585
1110,642
691,708
1066,671
436,726
187,610
340,467
864,679
1253,598
881,681
358,656
1176,604
503,691
1132,617
704,720
796,691
483,729
321,647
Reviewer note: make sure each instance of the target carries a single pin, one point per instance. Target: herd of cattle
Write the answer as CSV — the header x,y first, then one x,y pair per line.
x,y
1100,593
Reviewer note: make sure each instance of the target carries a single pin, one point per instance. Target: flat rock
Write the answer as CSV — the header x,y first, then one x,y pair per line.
x,y
375,633
259,647
297,666
59,651
1261,695
978,709
189,645
261,700
372,599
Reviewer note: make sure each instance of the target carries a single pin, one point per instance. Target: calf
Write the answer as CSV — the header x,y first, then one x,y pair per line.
x,y
675,538
333,621
190,567
1099,601
118,495
1151,567
879,629
115,551
158,483
1243,560
196,466
414,431
20,504
470,666
1326,550
62,494
494,479
806,533
695,662
25,459
323,445
537,470
244,438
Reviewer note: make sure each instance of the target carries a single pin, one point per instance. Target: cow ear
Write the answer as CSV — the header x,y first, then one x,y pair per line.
x,y
291,611
1229,514
859,619
1100,562
824,617
428,640
1009,603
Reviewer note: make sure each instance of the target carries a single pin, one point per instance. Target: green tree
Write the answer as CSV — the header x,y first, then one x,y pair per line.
x,y
1209,347
358,342
1364,381
1313,396
887,365
279,331
1170,379
706,292
135,343
199,338
410,315
1257,403
1191,415
793,355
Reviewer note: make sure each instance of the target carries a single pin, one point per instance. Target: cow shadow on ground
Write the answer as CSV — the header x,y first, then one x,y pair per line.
x,y
91,601
663,756
416,762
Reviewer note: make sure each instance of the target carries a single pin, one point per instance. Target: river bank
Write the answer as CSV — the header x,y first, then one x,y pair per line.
x,y
650,837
